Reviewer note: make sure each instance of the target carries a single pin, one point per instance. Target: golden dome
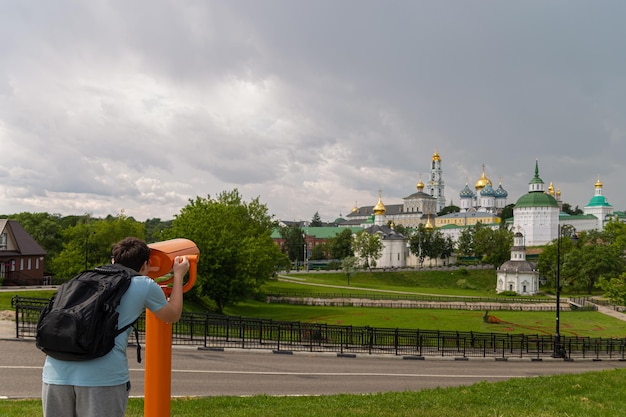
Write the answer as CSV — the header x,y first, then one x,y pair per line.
x,y
436,156
551,189
482,181
420,185
379,208
598,183
355,208
429,225
558,194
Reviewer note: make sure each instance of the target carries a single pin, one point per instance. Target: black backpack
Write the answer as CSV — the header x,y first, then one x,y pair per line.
x,y
80,321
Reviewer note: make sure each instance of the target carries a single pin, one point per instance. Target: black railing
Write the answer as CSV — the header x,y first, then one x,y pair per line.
x,y
213,331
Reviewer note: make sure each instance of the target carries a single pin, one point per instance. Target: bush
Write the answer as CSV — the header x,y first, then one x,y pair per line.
x,y
464,284
509,293
333,265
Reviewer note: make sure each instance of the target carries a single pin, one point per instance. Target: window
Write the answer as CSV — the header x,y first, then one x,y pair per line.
x,y
3,241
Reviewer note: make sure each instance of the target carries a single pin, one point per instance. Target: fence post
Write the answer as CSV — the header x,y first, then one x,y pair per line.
x,y
397,341
17,321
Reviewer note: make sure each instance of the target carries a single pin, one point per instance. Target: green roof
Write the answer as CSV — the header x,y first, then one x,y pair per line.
x,y
598,200
536,199
320,232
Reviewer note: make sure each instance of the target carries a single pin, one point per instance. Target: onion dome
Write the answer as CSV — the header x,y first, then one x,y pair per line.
x,y
429,225
355,208
482,181
598,183
420,186
466,192
487,191
436,156
500,192
379,208
551,189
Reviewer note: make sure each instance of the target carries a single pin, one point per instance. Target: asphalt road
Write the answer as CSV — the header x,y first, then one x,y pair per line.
x,y
234,372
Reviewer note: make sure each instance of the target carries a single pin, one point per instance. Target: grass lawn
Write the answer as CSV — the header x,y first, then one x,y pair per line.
x,y
574,323
593,394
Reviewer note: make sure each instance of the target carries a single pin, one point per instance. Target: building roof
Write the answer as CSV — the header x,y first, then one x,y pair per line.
x,y
598,201
517,266
26,245
320,232
536,199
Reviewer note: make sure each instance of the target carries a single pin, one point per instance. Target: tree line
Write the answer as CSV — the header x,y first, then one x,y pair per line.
x,y
238,253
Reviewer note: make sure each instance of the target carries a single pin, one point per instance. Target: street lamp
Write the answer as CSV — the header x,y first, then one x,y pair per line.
x,y
304,253
559,349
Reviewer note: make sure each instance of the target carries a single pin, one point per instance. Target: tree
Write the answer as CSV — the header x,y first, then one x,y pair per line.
x,y
614,288
316,221
237,253
420,242
567,208
318,252
585,266
88,244
294,242
449,209
466,241
340,246
155,228
507,212
349,266
368,248
500,244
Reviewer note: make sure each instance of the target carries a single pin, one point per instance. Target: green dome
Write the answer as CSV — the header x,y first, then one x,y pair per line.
x,y
536,199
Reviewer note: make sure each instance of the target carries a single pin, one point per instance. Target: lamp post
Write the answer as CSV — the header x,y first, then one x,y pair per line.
x,y
559,349
304,253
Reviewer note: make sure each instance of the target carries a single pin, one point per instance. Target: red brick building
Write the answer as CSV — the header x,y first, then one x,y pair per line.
x,y
21,257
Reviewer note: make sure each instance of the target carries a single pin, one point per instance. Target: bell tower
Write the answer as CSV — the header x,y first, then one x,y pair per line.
x,y
436,185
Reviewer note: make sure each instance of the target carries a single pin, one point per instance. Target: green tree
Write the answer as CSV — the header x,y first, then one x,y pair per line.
x,y
318,252
155,228
316,221
349,266
340,246
368,248
500,244
507,212
88,244
237,253
614,288
420,243
293,245
449,209
492,246
586,265
465,242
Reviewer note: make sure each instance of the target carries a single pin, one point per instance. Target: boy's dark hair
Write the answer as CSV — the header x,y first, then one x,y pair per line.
x,y
131,253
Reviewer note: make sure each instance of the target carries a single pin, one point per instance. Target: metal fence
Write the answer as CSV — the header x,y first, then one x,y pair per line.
x,y
212,331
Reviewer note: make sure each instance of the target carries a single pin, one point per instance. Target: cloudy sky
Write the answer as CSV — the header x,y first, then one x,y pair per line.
x,y
310,105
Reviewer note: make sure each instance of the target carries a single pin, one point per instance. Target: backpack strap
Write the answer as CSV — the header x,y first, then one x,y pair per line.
x,y
123,329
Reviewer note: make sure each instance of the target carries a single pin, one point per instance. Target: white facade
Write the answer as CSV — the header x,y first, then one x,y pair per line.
x,y
536,214
517,274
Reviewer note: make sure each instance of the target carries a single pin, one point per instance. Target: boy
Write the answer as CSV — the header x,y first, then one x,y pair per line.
x,y
100,387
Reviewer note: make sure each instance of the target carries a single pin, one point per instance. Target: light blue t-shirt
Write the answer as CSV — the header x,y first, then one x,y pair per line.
x,y
111,369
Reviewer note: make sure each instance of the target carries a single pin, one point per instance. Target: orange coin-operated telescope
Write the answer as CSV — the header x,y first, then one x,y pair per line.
x,y
158,375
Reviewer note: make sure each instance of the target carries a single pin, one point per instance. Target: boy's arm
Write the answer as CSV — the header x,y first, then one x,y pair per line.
x,y
171,312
